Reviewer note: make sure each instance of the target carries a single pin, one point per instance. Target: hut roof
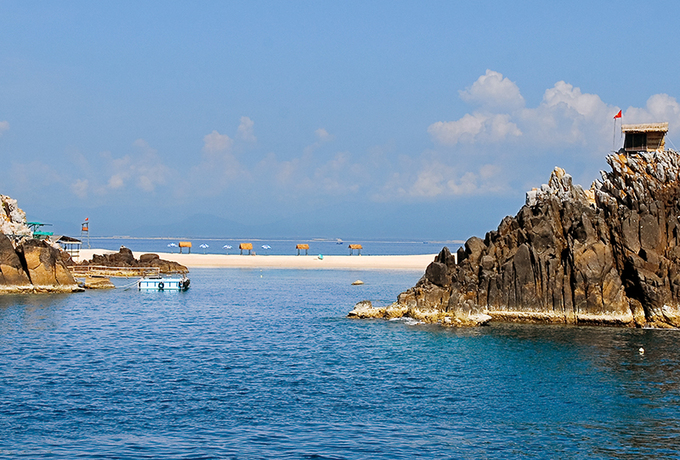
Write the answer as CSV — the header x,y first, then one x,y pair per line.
x,y
645,128
64,239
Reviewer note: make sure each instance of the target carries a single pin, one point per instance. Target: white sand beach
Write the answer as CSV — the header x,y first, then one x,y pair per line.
x,y
354,262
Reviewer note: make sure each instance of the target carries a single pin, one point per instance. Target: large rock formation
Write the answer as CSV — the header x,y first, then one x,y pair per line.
x,y
33,266
125,258
28,265
609,255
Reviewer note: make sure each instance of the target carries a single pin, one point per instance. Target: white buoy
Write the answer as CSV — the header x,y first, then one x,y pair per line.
x,y
642,351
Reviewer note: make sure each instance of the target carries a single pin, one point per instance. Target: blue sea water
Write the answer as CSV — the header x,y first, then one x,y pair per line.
x,y
272,246
264,364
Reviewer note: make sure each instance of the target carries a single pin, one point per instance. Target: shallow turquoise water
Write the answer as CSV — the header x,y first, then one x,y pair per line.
x,y
264,364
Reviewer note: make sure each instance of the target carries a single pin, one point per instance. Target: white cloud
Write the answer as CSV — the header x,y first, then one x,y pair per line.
x,y
4,126
436,179
116,181
246,130
216,142
473,128
145,169
565,116
659,108
568,123
587,105
493,91
80,188
323,135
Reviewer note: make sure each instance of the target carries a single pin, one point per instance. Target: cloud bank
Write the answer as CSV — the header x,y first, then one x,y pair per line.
x,y
498,146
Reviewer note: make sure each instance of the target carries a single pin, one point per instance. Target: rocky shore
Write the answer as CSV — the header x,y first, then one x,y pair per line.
x,y
609,255
33,266
26,264
124,258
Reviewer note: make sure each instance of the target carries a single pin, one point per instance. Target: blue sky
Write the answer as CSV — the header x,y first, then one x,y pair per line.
x,y
419,120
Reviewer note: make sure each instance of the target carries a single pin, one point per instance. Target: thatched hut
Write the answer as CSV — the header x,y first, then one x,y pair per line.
x,y
647,137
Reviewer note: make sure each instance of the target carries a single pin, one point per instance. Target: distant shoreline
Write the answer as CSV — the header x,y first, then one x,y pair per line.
x,y
354,262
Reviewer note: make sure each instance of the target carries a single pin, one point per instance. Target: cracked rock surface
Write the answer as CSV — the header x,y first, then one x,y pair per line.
x,y
609,255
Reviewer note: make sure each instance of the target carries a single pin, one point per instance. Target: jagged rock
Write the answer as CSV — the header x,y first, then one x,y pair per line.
x,y
364,309
98,282
12,218
44,265
125,258
609,255
12,271
33,266
147,258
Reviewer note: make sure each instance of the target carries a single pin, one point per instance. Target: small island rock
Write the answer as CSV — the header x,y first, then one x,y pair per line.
x,y
609,255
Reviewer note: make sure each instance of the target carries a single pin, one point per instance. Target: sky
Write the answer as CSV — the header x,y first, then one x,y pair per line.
x,y
403,120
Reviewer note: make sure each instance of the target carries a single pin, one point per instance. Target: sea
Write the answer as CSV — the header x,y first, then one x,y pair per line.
x,y
204,245
264,364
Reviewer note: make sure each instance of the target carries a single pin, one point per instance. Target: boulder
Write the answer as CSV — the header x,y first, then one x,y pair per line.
x,y
98,282
125,258
12,271
44,265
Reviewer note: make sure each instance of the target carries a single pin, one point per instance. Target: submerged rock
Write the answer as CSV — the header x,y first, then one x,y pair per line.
x,y
609,255
98,282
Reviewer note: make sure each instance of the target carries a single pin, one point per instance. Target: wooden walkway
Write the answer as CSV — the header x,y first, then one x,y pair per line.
x,y
113,272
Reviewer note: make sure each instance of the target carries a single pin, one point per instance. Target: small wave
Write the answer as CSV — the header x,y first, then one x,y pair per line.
x,y
408,321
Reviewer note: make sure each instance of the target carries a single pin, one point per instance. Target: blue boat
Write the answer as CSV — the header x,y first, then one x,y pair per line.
x,y
158,283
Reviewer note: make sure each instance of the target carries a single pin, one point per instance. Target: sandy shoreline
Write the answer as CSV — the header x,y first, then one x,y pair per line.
x,y
410,262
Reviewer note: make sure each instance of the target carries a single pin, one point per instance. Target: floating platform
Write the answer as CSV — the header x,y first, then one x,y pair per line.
x,y
157,283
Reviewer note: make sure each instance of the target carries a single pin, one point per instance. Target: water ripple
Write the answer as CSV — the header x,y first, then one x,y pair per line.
x,y
264,364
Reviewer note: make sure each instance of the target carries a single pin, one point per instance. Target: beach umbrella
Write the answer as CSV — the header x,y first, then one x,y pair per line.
x,y
226,246
172,245
266,246
204,247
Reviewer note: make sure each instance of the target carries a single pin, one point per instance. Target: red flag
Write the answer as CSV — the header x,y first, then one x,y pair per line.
x,y
618,115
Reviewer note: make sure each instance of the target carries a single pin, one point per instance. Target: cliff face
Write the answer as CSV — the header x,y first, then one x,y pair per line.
x,y
33,266
608,255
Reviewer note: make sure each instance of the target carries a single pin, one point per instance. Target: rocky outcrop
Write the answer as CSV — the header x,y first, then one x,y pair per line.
x,y
125,258
33,266
12,218
98,282
609,255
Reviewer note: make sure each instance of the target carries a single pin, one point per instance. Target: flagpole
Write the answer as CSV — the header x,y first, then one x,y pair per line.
x,y
614,136
618,115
